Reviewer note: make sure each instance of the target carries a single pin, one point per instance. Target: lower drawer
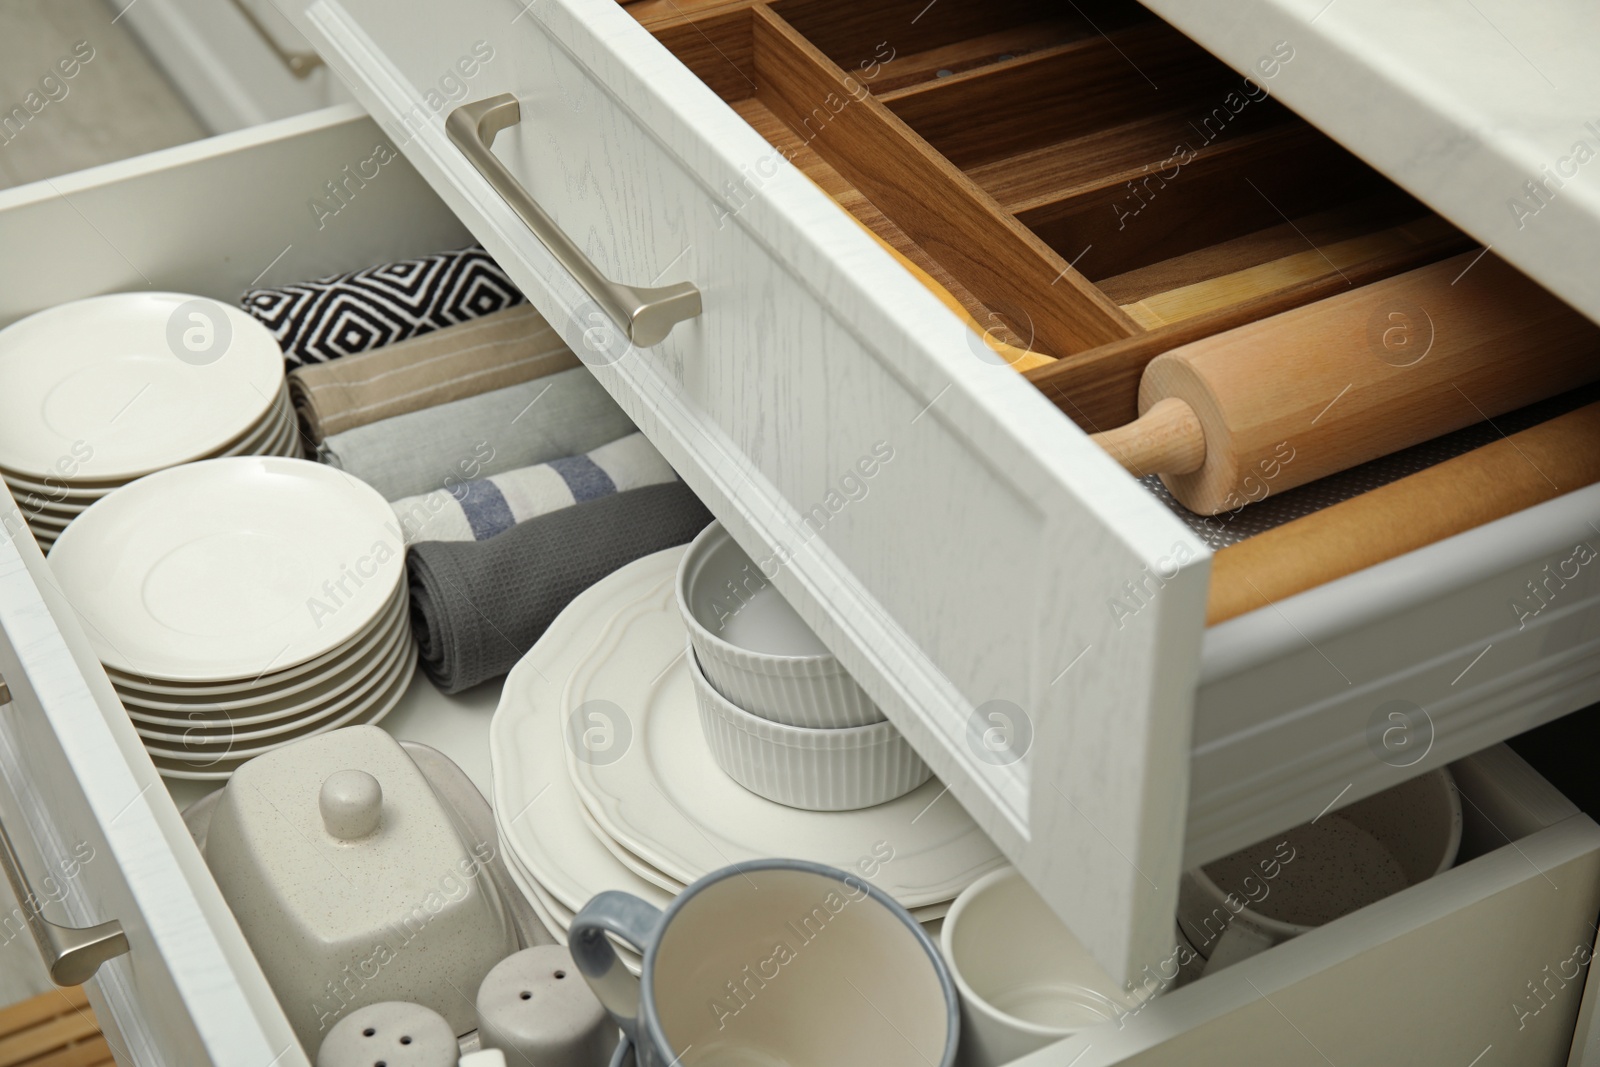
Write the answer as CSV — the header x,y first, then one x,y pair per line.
x,y
1433,974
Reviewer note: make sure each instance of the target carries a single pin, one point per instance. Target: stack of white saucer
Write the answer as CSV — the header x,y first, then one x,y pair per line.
x,y
99,392
241,604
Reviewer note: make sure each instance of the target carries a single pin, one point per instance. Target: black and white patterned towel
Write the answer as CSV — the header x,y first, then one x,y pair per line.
x,y
321,320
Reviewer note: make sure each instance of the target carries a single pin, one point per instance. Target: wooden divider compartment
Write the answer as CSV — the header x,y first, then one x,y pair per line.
x,y
1086,181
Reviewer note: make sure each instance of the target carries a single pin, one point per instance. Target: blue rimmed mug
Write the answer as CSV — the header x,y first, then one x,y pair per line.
x,y
773,962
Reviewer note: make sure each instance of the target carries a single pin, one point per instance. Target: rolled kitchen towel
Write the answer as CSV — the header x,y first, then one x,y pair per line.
x,y
478,606
479,510
565,414
505,348
344,314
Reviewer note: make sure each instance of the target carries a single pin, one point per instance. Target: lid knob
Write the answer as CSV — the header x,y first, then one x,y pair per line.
x,y
352,804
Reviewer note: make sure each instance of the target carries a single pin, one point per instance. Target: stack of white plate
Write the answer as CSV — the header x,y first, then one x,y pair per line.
x,y
99,392
241,604
603,778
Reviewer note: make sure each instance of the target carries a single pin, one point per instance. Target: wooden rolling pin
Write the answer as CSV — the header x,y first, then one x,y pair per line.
x,y
1469,490
1256,410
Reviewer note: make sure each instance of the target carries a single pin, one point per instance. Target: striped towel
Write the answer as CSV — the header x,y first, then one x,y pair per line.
x,y
477,510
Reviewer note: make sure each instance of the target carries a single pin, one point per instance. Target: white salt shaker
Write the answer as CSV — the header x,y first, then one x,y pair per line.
x,y
536,1007
392,1032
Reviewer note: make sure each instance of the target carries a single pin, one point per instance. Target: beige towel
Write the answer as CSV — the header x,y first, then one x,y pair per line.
x,y
498,350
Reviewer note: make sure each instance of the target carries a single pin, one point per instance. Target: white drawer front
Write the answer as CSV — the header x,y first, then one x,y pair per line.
x,y
99,840
1350,688
976,565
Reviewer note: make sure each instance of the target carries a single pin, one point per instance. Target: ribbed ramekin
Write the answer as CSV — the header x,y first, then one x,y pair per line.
x,y
806,767
812,691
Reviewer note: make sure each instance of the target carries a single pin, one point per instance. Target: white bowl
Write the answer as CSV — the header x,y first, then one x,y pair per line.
x,y
818,769
1025,980
755,649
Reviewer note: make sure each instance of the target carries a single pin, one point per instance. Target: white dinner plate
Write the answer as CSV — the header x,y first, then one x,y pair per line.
x,y
220,769
129,377
925,913
258,702
648,872
227,568
621,641
536,810
666,800
558,920
398,665
365,677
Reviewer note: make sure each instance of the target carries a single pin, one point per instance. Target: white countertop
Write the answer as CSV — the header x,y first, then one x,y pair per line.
x,y
1473,106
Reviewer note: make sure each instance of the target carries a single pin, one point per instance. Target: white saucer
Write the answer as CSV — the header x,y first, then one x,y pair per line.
x,y
257,702
395,671
276,435
105,372
622,641
269,684
221,768
227,568
200,730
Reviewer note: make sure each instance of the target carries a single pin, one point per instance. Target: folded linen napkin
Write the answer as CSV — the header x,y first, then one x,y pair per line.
x,y
478,606
478,510
564,414
347,313
501,349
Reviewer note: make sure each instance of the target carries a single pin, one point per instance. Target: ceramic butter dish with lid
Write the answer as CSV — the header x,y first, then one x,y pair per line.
x,y
353,884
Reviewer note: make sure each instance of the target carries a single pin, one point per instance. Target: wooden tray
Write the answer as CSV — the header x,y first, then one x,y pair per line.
x,y
1087,183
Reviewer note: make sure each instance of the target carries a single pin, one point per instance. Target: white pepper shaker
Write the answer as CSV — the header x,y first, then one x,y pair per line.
x,y
392,1032
536,1008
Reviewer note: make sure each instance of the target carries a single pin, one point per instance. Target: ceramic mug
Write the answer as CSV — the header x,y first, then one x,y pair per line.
x,y
1025,980
772,962
1290,884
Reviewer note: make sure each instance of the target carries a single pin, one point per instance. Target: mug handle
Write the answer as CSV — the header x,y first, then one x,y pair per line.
x,y
636,924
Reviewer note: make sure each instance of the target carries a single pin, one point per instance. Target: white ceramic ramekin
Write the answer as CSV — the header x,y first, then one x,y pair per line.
x,y
723,595
1025,980
806,767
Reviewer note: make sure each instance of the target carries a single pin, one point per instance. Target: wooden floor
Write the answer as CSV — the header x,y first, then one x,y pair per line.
x,y
116,104
55,1029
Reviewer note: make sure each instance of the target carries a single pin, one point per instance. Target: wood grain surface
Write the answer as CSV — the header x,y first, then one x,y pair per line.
x,y
1325,387
1488,483
1004,264
53,1029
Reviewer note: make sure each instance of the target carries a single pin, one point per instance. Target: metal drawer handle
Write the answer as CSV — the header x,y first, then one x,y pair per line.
x,y
72,954
647,315
300,64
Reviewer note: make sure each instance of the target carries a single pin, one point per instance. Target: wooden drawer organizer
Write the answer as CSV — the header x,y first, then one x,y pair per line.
x,y
1089,184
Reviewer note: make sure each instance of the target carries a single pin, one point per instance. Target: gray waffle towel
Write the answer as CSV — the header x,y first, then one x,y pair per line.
x,y
478,606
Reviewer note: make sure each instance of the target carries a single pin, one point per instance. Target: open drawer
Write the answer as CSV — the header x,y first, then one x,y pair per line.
x,y
968,583
214,216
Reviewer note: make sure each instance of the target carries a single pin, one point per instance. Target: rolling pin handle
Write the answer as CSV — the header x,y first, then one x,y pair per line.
x,y
1167,439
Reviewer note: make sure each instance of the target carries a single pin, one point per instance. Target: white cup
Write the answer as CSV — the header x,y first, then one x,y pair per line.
x,y
1025,980
771,963
1296,881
